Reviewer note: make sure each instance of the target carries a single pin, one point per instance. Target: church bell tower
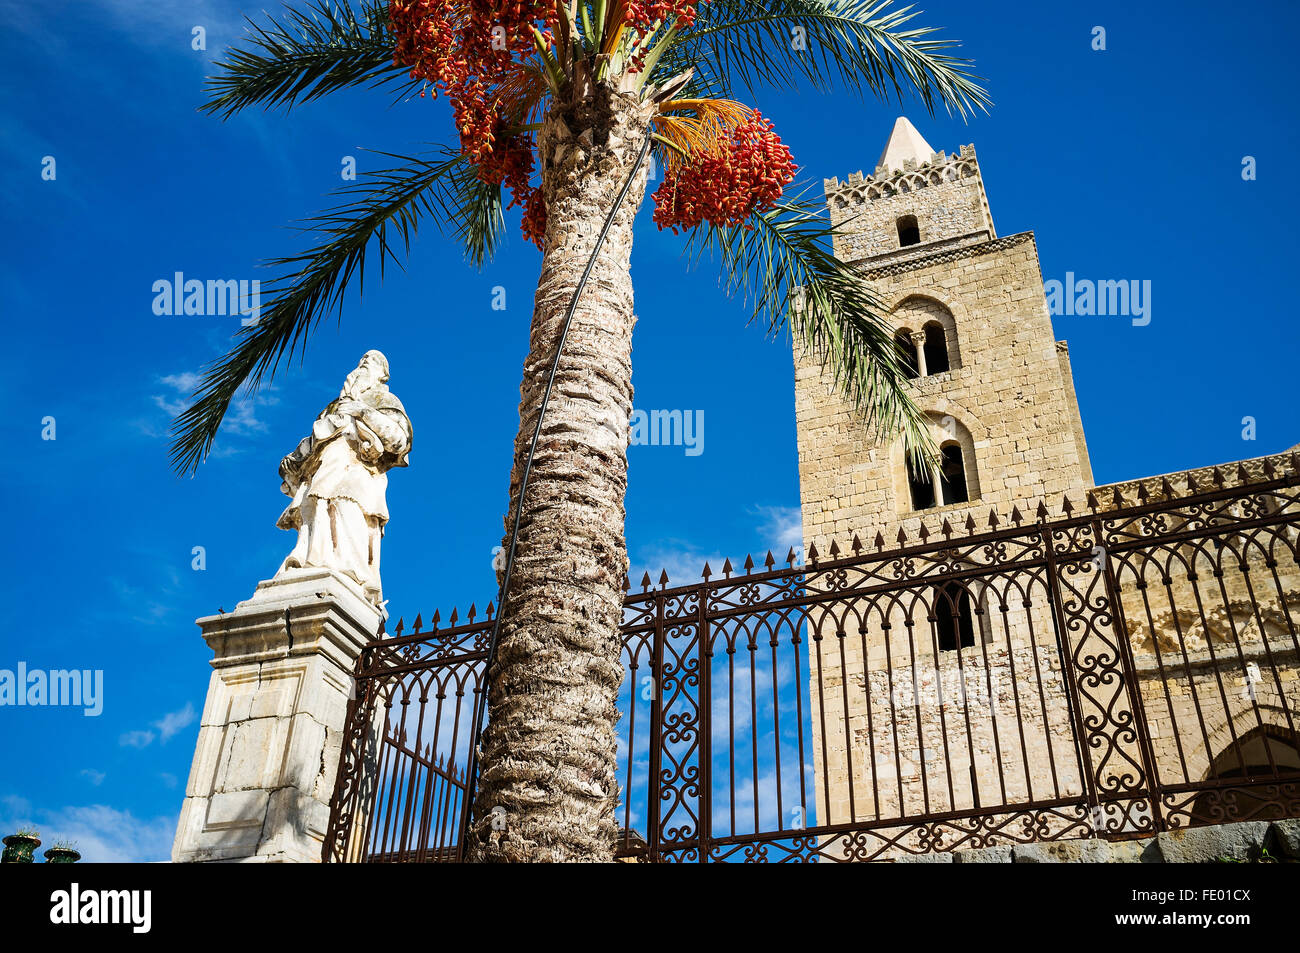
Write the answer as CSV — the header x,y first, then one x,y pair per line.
x,y
971,322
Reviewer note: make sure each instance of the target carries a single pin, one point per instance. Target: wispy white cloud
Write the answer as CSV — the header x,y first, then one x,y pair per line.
x,y
168,726
241,418
101,833
94,777
781,527
148,23
682,561
174,722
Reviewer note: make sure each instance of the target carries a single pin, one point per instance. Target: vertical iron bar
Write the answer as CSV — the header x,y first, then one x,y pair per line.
x,y
656,735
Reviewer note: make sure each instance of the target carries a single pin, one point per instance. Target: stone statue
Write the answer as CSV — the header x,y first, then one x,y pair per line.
x,y
337,477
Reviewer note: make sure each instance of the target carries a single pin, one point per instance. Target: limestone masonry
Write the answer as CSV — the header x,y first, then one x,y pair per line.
x,y
971,319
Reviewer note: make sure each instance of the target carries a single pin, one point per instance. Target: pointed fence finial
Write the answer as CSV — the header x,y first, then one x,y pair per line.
x,y
663,579
707,571
726,568
749,563
419,623
645,581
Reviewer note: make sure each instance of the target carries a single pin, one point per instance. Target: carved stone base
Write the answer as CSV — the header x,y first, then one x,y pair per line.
x,y
268,749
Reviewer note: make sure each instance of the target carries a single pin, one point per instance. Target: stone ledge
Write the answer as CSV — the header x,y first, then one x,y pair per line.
x,y
868,272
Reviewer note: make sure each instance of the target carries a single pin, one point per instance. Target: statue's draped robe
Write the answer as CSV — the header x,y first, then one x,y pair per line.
x,y
337,477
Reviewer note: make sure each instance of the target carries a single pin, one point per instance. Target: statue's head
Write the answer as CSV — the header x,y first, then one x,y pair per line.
x,y
377,362
371,372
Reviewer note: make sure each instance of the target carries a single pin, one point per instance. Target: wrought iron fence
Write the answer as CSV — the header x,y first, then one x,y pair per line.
x,y
1125,667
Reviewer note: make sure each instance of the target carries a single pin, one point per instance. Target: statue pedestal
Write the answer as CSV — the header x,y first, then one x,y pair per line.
x,y
268,748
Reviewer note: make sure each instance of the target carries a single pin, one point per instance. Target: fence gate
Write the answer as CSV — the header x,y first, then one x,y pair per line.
x,y
1126,667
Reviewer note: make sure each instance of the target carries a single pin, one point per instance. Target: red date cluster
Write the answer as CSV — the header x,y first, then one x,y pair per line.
x,y
464,49
743,173
642,14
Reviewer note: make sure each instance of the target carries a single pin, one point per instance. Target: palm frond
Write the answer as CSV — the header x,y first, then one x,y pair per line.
x,y
780,262
307,54
480,220
382,212
860,45
707,123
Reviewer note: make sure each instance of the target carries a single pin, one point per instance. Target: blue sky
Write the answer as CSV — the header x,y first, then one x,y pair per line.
x,y
1126,163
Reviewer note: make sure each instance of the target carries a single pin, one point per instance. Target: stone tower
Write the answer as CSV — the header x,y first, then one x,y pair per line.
x,y
971,318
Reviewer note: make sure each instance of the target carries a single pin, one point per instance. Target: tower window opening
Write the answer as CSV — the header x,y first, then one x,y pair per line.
x,y
952,475
936,348
907,354
954,621
922,489
909,232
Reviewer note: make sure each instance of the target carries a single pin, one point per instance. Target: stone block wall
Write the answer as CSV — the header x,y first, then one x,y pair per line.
x,y
946,196
1008,403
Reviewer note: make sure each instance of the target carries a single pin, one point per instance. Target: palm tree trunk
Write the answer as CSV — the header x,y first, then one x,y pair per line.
x,y
548,775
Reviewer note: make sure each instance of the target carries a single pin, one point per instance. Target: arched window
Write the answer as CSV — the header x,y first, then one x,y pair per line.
x,y
909,232
936,348
951,480
954,621
907,354
940,350
952,474
922,487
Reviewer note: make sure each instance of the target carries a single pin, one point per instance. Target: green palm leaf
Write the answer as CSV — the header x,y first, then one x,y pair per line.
x,y
383,212
782,265
310,53
861,45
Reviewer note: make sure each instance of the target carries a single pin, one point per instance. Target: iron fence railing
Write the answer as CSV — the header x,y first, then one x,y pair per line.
x,y
1124,667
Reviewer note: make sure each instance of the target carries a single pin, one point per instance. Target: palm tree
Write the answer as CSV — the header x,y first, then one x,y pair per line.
x,y
580,90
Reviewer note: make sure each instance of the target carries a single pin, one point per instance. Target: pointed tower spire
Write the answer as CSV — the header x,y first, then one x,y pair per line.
x,y
904,143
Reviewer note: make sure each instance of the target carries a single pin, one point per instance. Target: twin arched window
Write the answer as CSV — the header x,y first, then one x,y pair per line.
x,y
945,485
925,352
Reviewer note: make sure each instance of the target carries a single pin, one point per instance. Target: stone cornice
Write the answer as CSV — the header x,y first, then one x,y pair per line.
x,y
940,257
